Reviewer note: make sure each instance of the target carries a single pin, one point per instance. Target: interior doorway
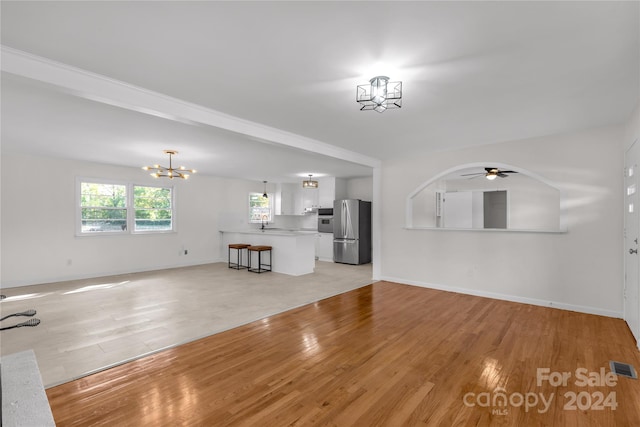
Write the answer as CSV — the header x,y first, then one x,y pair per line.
x,y
631,291
495,209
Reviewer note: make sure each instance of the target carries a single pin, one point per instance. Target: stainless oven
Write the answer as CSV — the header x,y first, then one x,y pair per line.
x,y
325,220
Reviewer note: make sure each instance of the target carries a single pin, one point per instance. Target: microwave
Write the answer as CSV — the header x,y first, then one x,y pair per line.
x,y
325,220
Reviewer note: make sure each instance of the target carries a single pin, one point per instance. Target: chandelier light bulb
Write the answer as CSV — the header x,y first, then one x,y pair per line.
x,y
379,89
169,172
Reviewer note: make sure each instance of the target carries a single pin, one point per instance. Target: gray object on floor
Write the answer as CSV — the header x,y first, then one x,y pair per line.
x,y
30,322
24,401
23,313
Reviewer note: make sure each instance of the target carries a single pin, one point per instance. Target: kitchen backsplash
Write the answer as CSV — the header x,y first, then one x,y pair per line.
x,y
296,222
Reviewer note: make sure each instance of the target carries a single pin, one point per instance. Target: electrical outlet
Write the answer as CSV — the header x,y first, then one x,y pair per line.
x,y
186,252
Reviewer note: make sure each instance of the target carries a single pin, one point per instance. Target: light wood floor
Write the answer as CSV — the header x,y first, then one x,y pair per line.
x,y
91,324
383,354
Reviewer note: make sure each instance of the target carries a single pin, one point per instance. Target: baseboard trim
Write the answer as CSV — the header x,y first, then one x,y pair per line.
x,y
512,298
42,281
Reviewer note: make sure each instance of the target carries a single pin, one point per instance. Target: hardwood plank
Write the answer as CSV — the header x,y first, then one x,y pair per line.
x,y
385,354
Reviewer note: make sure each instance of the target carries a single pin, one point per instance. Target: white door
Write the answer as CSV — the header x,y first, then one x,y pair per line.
x,y
631,235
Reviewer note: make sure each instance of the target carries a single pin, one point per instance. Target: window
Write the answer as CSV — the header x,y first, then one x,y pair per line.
x,y
260,208
105,207
153,208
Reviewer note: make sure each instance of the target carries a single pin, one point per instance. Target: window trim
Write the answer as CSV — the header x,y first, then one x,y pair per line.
x,y
130,208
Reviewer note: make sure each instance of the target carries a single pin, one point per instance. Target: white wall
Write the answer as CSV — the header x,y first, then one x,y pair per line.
x,y
580,269
360,188
39,244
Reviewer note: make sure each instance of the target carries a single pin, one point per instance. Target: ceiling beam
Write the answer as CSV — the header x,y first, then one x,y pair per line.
x,y
106,90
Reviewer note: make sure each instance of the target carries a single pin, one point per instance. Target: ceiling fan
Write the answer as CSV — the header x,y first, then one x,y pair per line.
x,y
491,173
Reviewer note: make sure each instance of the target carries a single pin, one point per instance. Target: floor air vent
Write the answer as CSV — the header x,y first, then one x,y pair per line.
x,y
623,369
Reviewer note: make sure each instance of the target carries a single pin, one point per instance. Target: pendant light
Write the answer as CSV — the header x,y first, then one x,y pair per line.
x,y
265,195
309,183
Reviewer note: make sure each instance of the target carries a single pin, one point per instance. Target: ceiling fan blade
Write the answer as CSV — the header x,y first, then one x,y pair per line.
x,y
508,172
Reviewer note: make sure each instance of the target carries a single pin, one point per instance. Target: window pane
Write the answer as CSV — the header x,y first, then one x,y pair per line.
x,y
103,207
153,209
100,220
153,225
259,208
152,198
103,195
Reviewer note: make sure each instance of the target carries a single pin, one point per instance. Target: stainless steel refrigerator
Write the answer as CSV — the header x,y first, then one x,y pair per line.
x,y
352,231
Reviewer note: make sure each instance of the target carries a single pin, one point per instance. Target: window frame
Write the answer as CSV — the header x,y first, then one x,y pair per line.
x,y
130,207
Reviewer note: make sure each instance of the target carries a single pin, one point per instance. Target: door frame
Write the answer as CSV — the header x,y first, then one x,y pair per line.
x,y
625,245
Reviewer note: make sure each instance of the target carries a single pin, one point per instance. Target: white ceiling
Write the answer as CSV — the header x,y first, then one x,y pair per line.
x,y
473,73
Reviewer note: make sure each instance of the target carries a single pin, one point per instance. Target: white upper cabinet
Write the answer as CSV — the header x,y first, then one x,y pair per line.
x,y
309,199
292,199
329,189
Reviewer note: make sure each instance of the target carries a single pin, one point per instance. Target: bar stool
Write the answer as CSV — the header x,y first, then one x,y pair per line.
x,y
239,247
259,250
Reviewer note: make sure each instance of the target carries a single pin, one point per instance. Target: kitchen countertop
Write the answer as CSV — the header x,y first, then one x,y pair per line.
x,y
273,232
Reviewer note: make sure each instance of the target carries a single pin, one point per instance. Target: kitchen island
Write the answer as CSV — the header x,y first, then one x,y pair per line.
x,y
293,251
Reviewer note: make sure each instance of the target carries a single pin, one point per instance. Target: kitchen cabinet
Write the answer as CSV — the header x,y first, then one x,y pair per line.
x,y
309,199
292,199
324,247
285,200
329,189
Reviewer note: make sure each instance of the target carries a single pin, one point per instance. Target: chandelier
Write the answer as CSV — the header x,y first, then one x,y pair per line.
x,y
169,172
309,183
380,94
